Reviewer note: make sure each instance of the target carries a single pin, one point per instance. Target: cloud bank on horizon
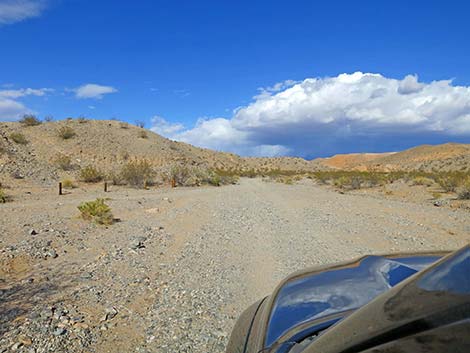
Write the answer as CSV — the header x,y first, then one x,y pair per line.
x,y
349,112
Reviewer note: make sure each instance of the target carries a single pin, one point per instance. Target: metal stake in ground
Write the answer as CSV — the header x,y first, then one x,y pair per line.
x,y
60,188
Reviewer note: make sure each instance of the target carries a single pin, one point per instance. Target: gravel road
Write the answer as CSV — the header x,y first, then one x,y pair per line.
x,y
181,265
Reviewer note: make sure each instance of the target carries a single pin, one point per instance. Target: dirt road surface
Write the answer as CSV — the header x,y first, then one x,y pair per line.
x,y
181,264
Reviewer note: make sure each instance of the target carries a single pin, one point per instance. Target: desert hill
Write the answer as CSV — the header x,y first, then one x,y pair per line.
x,y
108,145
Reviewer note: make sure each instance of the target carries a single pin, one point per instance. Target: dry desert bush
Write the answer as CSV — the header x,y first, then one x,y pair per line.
x,y
30,120
137,173
19,138
63,161
91,174
66,132
68,184
464,192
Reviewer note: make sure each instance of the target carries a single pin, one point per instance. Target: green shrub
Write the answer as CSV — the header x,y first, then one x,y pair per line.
x,y
19,138
464,192
137,173
3,196
214,179
66,132
448,183
90,174
68,184
63,162
30,120
96,211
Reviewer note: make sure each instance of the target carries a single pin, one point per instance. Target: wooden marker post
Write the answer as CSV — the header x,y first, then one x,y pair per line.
x,y
105,187
60,188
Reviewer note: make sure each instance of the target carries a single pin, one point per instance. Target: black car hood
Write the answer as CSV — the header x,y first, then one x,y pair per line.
x,y
430,303
321,298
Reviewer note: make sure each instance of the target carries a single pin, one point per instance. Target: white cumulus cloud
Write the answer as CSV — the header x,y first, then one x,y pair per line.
x,y
346,111
165,128
12,11
11,109
93,90
17,93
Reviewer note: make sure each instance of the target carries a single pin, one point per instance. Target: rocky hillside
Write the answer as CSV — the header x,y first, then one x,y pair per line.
x,y
446,157
108,145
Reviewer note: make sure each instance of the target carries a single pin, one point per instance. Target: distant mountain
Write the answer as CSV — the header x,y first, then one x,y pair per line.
x,y
445,157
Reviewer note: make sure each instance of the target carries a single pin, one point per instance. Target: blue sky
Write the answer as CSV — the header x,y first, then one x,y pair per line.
x,y
252,77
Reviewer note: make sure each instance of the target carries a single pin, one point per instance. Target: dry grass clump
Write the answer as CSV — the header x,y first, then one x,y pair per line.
x,y
96,211
90,174
137,173
82,120
66,132
422,180
68,184
4,198
19,138
142,134
30,120
63,161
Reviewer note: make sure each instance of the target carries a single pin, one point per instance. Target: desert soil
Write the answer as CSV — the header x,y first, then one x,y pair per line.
x,y
181,264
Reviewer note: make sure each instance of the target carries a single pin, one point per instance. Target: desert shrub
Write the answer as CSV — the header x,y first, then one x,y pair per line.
x,y
464,192
63,161
341,182
68,184
82,120
182,175
421,180
115,178
214,179
19,138
66,132
3,196
90,174
48,118
96,211
137,173
355,182
30,120
288,181
142,134
448,183
140,124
